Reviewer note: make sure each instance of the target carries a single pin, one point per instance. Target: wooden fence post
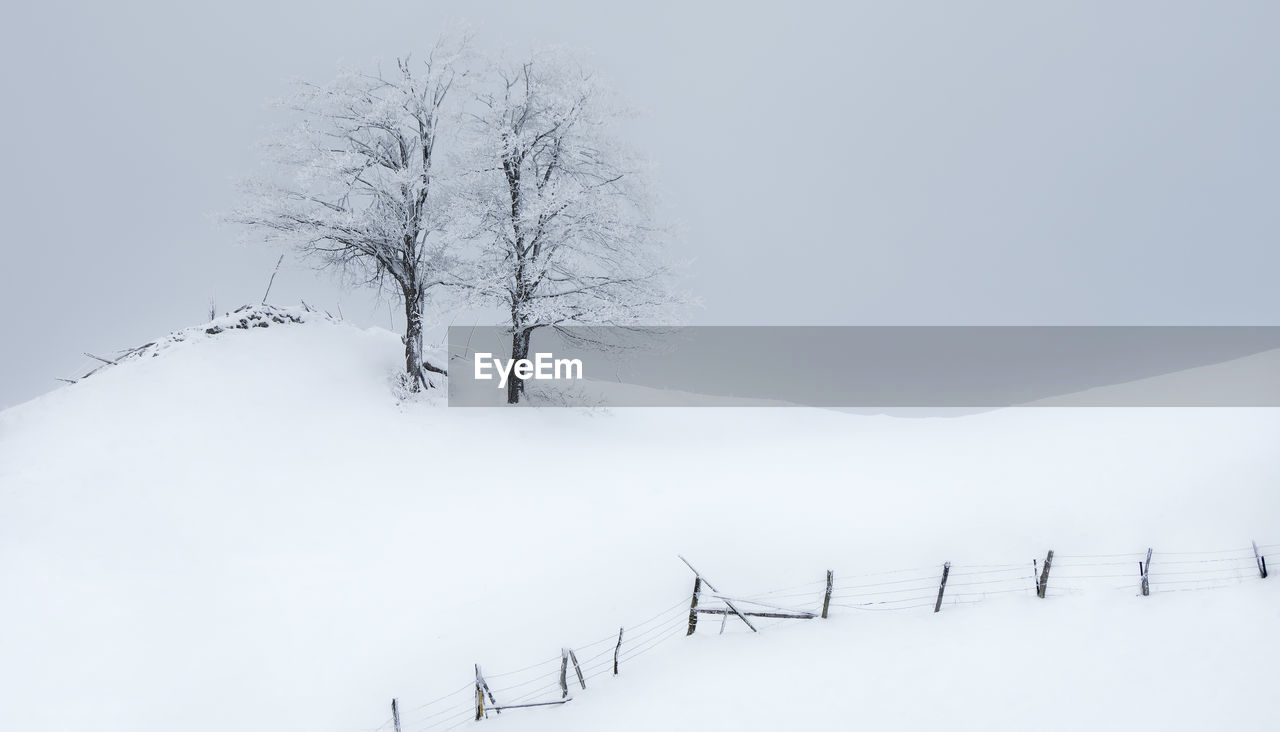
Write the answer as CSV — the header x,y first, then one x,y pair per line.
x,y
1043,582
826,599
577,669
946,570
693,605
1261,560
615,652
1146,570
395,714
564,670
728,603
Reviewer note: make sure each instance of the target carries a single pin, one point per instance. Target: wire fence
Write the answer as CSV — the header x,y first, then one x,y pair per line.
x,y
541,682
552,680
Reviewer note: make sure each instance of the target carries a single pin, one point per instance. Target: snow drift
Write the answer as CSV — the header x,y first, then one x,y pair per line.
x,y
249,531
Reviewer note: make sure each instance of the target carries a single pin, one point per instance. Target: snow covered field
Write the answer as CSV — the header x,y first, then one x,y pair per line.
x,y
247,532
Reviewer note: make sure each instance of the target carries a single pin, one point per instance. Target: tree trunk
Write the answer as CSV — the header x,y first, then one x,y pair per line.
x,y
519,350
413,338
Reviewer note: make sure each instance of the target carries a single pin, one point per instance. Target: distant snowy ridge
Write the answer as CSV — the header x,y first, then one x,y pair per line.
x,y
242,318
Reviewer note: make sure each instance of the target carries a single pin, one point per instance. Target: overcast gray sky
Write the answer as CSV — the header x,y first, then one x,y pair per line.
x,y
872,163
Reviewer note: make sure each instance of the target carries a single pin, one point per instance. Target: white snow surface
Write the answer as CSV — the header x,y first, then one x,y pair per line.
x,y
249,532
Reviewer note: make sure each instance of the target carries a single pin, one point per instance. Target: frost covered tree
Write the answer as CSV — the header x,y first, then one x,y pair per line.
x,y
557,207
355,183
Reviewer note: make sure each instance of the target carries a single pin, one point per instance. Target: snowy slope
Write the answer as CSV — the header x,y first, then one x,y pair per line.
x,y
248,532
1252,379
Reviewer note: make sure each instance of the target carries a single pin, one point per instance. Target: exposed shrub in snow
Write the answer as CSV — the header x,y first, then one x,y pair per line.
x,y
258,316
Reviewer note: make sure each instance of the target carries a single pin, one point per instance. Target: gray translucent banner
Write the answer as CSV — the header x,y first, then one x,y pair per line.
x,y
873,367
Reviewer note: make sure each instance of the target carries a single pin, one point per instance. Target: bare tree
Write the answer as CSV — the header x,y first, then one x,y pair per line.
x,y
558,208
355,185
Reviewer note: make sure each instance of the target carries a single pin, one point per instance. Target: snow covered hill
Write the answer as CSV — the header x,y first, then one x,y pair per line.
x,y
249,532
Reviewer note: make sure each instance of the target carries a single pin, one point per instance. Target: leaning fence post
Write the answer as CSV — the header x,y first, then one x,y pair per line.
x,y
395,714
577,669
564,670
1261,560
1145,569
693,605
615,652
483,686
946,570
1044,575
826,599
728,603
